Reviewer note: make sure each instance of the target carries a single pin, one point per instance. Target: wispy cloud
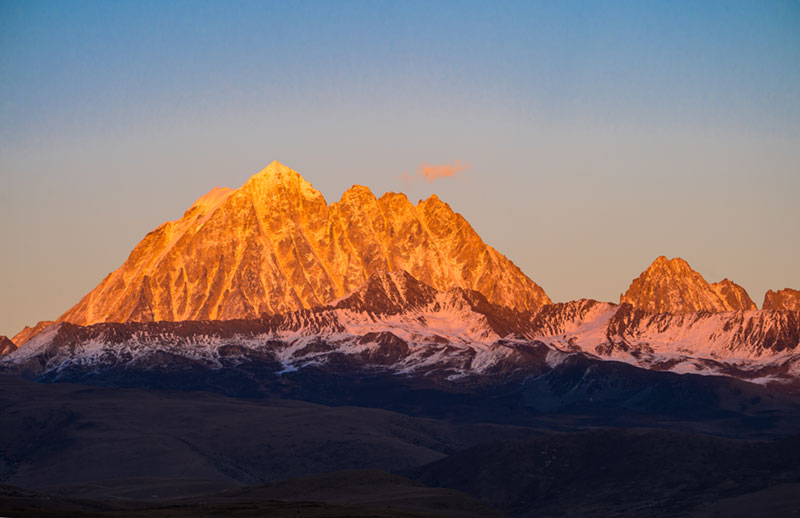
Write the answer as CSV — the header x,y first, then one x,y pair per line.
x,y
431,172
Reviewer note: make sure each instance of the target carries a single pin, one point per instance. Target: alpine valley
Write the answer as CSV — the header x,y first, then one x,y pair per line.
x,y
376,334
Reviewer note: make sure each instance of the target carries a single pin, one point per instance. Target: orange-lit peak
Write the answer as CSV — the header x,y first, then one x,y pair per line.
x,y
434,205
672,286
277,167
433,198
212,198
277,178
275,245
357,192
676,263
275,172
392,196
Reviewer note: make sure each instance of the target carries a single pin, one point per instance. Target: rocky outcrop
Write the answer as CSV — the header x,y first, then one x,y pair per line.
x,y
672,286
275,246
6,346
733,296
787,299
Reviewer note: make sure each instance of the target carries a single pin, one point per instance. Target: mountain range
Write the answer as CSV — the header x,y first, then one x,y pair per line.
x,y
272,354
271,272
397,324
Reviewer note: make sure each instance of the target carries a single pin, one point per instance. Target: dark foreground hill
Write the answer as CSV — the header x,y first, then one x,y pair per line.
x,y
119,443
646,473
103,451
620,473
365,493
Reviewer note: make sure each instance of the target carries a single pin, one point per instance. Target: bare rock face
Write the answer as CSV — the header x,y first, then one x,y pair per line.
x,y
733,295
6,345
782,300
274,245
671,286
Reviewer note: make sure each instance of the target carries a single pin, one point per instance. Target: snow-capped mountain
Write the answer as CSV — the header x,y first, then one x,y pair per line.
x,y
275,246
29,332
398,324
671,286
273,276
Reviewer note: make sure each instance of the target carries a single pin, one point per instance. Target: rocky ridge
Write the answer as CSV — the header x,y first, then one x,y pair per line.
x,y
398,324
672,286
787,299
29,332
275,246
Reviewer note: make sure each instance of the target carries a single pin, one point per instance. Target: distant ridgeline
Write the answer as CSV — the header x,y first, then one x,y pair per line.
x,y
272,274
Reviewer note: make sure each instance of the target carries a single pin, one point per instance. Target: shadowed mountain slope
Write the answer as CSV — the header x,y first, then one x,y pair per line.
x,y
6,345
640,473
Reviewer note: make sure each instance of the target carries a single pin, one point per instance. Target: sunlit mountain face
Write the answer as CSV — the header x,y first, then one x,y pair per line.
x,y
381,281
265,317
275,245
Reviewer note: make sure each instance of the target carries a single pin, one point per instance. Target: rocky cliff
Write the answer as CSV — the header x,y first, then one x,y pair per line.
x,y
672,286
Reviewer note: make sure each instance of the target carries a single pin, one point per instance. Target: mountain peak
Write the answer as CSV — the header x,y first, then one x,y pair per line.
x,y
786,299
395,197
676,265
733,295
276,173
432,201
275,245
277,168
672,286
357,192
279,181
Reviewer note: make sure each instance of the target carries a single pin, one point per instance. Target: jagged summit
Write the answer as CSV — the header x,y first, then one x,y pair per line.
x,y
276,170
358,191
275,173
280,187
733,295
672,286
275,245
786,299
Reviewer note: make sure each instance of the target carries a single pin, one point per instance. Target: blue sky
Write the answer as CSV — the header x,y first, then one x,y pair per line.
x,y
600,134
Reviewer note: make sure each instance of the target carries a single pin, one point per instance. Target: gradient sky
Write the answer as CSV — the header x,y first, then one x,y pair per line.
x,y
599,135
